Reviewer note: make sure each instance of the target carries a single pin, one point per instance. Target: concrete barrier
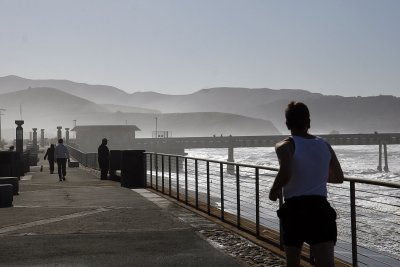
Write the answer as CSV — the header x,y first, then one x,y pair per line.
x,y
12,181
6,195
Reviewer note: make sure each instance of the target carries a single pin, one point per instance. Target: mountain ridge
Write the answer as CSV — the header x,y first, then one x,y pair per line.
x,y
328,112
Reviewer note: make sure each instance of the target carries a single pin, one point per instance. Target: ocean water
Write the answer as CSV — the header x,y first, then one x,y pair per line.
x,y
357,161
377,207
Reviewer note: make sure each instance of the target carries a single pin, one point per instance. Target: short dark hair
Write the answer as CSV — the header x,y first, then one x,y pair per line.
x,y
297,116
60,140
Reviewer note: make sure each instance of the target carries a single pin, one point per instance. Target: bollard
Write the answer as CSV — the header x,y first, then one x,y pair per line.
x,y
12,181
6,195
11,164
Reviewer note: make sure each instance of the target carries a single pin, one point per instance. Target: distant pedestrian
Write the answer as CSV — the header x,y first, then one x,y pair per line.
x,y
50,155
62,156
11,148
307,164
104,159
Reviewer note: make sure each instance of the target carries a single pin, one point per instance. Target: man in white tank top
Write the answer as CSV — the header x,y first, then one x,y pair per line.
x,y
307,164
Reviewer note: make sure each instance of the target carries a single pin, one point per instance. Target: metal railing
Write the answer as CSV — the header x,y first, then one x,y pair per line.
x,y
368,210
87,159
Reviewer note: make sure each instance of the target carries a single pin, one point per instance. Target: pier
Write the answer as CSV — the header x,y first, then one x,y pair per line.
x,y
176,145
227,194
86,221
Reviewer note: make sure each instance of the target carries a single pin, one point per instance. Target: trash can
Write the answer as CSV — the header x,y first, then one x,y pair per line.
x,y
11,164
115,164
133,169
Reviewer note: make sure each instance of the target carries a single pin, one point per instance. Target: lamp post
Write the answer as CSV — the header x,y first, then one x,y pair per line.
x,y
156,128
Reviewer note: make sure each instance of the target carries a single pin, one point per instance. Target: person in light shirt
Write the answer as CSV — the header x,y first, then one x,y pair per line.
x,y
62,155
307,164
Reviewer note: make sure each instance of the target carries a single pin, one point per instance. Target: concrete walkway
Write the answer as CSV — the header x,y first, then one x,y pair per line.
x,y
88,222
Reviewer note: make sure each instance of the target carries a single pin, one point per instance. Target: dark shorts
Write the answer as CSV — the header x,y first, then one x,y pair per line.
x,y
307,219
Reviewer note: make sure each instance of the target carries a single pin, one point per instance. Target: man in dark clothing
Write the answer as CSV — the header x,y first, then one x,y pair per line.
x,y
103,159
62,155
50,157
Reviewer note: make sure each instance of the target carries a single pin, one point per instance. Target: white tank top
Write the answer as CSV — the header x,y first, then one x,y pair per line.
x,y
310,168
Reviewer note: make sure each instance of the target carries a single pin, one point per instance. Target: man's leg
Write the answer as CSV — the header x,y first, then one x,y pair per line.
x,y
59,163
51,163
64,168
292,256
324,254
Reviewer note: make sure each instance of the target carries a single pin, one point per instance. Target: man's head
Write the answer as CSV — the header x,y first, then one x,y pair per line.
x,y
297,116
104,141
60,141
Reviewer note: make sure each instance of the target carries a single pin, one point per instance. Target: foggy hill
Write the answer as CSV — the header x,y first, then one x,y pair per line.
x,y
47,108
328,113
44,100
186,124
94,93
344,114
128,109
43,106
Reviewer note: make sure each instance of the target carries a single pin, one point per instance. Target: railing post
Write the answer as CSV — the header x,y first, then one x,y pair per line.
x,y
257,203
196,177
162,173
145,168
151,170
221,171
353,223
186,182
156,162
169,175
177,177
208,189
237,197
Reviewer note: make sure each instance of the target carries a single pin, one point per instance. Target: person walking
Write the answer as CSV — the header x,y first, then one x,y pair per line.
x,y
62,156
50,157
307,164
104,159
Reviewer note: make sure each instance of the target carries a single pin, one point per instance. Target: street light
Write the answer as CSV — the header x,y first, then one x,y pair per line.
x,y
156,127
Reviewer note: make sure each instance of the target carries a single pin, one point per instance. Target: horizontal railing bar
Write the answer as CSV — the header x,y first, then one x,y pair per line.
x,y
347,179
371,182
218,161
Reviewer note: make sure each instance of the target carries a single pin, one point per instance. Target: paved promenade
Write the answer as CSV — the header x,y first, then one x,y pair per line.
x,y
88,222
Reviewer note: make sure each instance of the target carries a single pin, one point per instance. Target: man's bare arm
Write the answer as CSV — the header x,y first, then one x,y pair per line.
x,y
284,151
335,170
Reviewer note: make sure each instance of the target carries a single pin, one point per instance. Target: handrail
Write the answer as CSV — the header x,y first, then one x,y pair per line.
x,y
234,198
346,178
217,161
371,182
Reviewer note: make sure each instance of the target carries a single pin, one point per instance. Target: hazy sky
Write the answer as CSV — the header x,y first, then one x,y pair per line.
x,y
345,47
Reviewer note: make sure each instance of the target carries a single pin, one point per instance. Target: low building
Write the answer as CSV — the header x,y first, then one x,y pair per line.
x,y
88,137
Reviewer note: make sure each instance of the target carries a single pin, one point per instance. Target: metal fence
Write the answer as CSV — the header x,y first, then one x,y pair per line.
x,y
368,210
87,159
